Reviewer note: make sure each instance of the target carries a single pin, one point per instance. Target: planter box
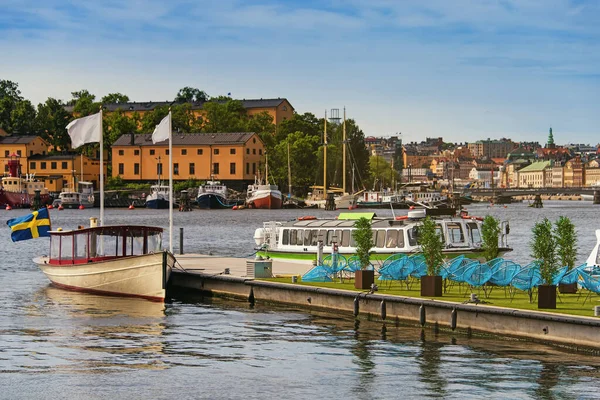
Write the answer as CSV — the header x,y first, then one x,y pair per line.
x,y
431,286
364,278
547,296
568,288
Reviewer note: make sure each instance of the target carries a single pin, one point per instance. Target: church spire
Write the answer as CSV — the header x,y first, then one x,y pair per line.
x,y
550,140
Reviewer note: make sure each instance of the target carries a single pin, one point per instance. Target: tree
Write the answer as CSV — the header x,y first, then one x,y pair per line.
x,y
543,249
304,150
190,95
431,246
115,98
306,123
224,117
116,124
22,118
10,100
262,124
51,122
363,237
152,118
490,231
381,172
83,103
566,242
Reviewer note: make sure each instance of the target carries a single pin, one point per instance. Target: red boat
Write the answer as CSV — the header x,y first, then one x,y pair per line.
x,y
19,192
263,196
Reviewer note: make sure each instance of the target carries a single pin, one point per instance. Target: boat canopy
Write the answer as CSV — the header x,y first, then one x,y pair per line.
x,y
354,216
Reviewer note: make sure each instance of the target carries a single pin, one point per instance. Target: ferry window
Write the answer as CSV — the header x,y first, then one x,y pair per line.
x,y
184,152
32,165
380,238
352,241
322,235
53,165
300,238
231,151
192,168
338,236
64,165
455,233
391,239
330,234
175,168
136,152
285,237
152,152
400,244
345,237
121,152
314,237
121,168
154,242
308,234
81,247
413,236
55,247
215,168
440,232
473,232
232,168
293,236
66,248
199,152
136,169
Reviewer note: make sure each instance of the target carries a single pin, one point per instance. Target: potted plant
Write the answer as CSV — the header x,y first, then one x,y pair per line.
x,y
363,237
543,249
490,231
431,247
566,249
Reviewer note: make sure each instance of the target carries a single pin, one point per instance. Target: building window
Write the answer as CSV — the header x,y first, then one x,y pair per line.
x,y
260,151
159,169
42,165
136,169
121,152
175,168
136,152
121,168
167,151
254,140
184,152
284,108
254,168
216,151
247,168
216,168
64,165
30,153
53,165
232,168
231,151
199,152
151,152
6,153
247,151
253,151
192,169
32,165
19,153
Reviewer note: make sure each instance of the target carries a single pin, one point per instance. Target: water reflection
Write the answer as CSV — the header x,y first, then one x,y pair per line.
x,y
364,360
430,361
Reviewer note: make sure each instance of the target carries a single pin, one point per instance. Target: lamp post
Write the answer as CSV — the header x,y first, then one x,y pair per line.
x,y
409,173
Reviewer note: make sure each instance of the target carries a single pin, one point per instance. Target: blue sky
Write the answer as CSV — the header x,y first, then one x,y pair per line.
x,y
460,69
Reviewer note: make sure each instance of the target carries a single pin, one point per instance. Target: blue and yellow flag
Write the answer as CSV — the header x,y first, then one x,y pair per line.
x,y
36,224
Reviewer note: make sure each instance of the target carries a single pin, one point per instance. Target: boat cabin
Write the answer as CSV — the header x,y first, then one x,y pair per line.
x,y
103,243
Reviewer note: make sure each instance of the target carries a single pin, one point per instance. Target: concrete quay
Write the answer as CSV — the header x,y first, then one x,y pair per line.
x,y
207,274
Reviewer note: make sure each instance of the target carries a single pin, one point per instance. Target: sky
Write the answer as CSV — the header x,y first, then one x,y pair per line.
x,y
463,70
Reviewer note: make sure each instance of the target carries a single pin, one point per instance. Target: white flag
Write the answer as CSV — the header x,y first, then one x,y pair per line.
x,y
162,130
85,130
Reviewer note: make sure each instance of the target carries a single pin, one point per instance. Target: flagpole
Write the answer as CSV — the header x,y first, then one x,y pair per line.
x,y
170,183
101,171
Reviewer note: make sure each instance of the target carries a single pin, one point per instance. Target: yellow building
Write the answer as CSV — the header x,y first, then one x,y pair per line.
x,y
63,171
22,147
234,157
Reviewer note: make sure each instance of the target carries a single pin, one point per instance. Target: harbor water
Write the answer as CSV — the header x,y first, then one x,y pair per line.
x,y
61,344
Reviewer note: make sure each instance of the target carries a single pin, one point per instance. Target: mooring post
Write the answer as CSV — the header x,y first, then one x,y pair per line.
x,y
537,203
180,240
596,197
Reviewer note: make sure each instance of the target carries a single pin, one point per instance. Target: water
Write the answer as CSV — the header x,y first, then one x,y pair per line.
x,y
60,344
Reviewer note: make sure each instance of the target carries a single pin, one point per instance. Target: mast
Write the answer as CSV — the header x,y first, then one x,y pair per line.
x,y
325,157
266,168
170,183
344,154
289,171
101,171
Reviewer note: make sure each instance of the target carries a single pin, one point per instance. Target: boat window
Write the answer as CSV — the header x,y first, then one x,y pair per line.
x,y
440,232
81,246
300,239
346,237
380,238
134,245
391,239
285,237
66,248
322,235
314,237
400,244
55,247
108,245
413,236
338,236
154,243
308,234
330,234
293,236
455,233
473,232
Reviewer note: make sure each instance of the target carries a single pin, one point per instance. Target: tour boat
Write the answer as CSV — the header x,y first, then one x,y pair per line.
x,y
120,260
18,191
213,194
299,239
263,196
158,197
74,199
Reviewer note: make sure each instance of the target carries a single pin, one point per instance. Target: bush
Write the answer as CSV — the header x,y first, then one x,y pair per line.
x,y
431,246
543,249
566,242
363,236
490,231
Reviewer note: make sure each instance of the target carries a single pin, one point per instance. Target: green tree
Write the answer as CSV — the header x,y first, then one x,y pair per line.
x,y
115,98
116,124
363,237
152,118
262,124
306,123
224,117
51,122
381,173
22,118
490,231
566,242
190,95
15,112
83,103
543,249
303,153
184,120
431,246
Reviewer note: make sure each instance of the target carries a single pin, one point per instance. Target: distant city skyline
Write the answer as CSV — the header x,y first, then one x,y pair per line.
x,y
464,70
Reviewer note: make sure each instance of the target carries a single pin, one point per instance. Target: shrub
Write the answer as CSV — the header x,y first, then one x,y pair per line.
x,y
566,242
363,236
431,246
490,230
543,249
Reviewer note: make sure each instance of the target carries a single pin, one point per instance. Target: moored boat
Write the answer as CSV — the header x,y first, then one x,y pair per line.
x,y
74,199
299,239
213,194
18,191
121,260
263,196
158,197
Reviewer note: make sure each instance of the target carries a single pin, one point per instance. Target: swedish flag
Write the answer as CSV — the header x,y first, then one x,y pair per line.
x,y
36,224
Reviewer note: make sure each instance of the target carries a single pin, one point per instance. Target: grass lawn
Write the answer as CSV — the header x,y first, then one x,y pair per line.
x,y
565,303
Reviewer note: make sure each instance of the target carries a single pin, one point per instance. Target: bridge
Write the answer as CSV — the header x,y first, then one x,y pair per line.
x,y
528,191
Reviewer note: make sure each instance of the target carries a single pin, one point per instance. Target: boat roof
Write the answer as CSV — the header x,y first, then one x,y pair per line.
x,y
357,215
111,230
376,223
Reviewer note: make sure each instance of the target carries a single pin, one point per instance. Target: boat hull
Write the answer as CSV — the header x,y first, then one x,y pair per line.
x,y
159,203
21,200
266,200
141,276
212,201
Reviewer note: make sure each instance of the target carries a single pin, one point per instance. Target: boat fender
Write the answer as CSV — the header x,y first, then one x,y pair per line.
x,y
453,316
477,218
422,315
383,310
356,306
306,218
251,297
402,217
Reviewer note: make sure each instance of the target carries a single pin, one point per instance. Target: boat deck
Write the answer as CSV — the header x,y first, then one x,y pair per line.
x,y
213,265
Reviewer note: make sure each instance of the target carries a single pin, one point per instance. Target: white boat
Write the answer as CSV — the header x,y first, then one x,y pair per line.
x,y
298,239
73,199
122,260
158,197
343,201
213,194
265,196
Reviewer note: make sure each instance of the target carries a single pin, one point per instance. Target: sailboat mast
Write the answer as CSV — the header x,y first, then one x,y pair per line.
x,y
325,157
101,171
266,168
344,154
289,171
